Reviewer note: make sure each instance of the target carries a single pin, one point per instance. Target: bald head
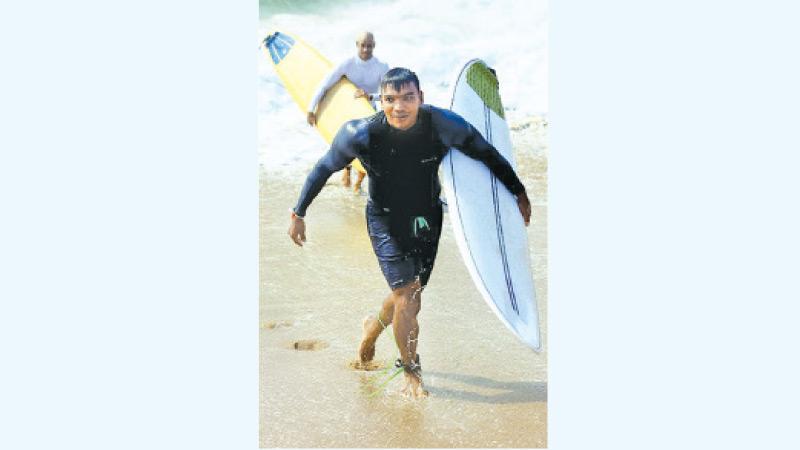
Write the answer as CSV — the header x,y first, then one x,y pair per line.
x,y
365,35
365,43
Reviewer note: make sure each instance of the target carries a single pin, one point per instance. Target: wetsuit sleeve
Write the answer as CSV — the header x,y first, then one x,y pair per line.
x,y
454,131
330,80
343,150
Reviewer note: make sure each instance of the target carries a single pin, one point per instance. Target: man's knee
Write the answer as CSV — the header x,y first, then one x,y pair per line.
x,y
408,289
408,296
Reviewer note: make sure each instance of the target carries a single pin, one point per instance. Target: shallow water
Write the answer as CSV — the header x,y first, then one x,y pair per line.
x,y
434,39
486,388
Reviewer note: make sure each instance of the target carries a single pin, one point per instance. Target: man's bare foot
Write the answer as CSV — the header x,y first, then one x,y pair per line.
x,y
414,387
346,177
359,179
372,328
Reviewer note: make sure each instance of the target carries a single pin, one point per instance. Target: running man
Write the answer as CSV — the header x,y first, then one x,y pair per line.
x,y
401,148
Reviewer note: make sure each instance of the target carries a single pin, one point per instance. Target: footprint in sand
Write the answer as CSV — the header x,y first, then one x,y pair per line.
x,y
368,366
308,345
273,324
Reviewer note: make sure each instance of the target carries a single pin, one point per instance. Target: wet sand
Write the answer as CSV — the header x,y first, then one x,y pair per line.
x,y
486,388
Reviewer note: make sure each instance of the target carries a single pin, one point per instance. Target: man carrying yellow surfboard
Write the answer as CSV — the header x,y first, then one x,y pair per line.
x,y
365,71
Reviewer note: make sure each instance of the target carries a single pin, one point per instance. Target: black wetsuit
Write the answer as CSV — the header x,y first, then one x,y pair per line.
x,y
404,214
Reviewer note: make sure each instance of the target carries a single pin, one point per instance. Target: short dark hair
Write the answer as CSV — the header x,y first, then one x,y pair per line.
x,y
398,77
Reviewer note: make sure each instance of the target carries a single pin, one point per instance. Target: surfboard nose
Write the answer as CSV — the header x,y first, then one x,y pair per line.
x,y
278,44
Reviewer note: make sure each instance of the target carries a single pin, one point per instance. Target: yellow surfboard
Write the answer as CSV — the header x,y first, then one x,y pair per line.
x,y
302,69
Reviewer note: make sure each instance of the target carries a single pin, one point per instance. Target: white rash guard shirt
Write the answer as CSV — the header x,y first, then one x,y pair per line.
x,y
365,75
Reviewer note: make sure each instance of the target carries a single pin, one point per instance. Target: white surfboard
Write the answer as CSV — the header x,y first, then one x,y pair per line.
x,y
488,226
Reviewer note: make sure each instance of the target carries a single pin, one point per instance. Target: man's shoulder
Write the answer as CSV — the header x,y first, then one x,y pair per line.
x,y
450,126
380,63
357,131
443,116
347,62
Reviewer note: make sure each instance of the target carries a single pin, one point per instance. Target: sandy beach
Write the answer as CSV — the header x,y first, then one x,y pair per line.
x,y
486,388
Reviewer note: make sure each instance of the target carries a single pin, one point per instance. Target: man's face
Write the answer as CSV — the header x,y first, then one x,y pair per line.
x,y
365,47
401,107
